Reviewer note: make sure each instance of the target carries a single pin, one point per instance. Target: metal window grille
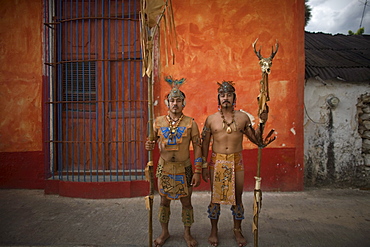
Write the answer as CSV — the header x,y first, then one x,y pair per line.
x,y
96,99
79,84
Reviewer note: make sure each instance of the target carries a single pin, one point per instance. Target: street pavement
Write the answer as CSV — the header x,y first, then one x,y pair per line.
x,y
314,217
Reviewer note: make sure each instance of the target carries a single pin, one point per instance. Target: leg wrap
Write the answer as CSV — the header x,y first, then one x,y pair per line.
x,y
164,214
238,211
187,216
214,211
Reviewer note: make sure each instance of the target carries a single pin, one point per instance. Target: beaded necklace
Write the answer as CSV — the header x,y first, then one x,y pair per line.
x,y
228,128
173,125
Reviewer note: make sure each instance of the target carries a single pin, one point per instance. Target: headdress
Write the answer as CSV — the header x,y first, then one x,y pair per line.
x,y
175,84
175,91
226,87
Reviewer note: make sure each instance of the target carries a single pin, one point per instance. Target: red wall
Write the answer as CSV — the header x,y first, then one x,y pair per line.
x,y
215,38
22,170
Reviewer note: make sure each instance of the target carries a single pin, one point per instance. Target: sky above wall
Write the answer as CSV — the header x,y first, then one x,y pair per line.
x,y
338,16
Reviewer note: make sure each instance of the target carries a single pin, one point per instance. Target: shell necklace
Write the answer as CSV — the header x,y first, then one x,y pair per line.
x,y
228,128
173,125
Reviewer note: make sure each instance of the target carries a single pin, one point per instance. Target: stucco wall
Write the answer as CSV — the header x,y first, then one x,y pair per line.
x,y
215,38
215,43
21,144
333,146
20,76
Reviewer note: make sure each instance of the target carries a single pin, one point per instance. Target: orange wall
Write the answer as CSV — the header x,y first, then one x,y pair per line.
x,y
20,75
215,38
215,43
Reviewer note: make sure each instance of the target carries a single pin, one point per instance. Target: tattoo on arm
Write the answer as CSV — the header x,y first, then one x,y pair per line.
x,y
196,141
205,131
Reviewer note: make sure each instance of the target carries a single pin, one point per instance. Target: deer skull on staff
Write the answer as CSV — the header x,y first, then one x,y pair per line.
x,y
265,63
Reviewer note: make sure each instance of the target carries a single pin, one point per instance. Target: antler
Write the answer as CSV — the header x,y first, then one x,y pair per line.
x,y
259,51
273,53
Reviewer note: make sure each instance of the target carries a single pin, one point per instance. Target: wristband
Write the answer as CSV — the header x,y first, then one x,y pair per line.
x,y
205,165
199,159
198,165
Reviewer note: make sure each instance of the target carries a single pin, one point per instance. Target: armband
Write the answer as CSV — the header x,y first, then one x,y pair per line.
x,y
198,165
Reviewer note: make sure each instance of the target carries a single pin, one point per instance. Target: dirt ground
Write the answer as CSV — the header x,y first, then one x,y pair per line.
x,y
314,217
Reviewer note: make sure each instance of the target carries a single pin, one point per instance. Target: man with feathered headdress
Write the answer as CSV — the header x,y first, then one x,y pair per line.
x,y
174,133
226,169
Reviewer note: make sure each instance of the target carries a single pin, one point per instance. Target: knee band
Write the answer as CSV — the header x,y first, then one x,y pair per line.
x,y
213,211
238,211
164,214
187,216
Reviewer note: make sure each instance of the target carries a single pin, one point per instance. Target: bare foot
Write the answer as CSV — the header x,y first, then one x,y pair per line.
x,y
213,238
239,237
190,240
161,239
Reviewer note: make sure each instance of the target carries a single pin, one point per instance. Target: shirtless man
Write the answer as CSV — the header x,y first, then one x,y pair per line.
x,y
174,133
227,127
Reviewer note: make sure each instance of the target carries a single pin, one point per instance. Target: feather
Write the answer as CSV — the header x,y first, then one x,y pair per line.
x,y
174,82
180,82
169,79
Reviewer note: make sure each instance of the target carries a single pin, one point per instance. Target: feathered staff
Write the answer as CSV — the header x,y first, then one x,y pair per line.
x,y
151,14
263,98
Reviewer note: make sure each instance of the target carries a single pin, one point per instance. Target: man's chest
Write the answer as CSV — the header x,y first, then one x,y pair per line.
x,y
219,125
171,136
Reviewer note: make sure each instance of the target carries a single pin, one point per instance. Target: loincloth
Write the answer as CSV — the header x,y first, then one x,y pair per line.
x,y
239,165
174,178
225,166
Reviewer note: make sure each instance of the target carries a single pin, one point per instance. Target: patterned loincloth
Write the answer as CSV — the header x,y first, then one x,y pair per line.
x,y
174,178
225,166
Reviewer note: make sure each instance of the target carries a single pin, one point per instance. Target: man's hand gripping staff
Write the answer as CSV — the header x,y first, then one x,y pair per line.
x,y
256,135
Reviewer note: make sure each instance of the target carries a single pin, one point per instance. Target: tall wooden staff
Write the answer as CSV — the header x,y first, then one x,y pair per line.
x,y
151,14
263,98
147,37
149,166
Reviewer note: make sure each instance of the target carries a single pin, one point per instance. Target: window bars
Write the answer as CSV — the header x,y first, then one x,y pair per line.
x,y
95,98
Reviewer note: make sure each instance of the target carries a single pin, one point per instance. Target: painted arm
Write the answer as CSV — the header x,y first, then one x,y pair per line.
x,y
195,139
